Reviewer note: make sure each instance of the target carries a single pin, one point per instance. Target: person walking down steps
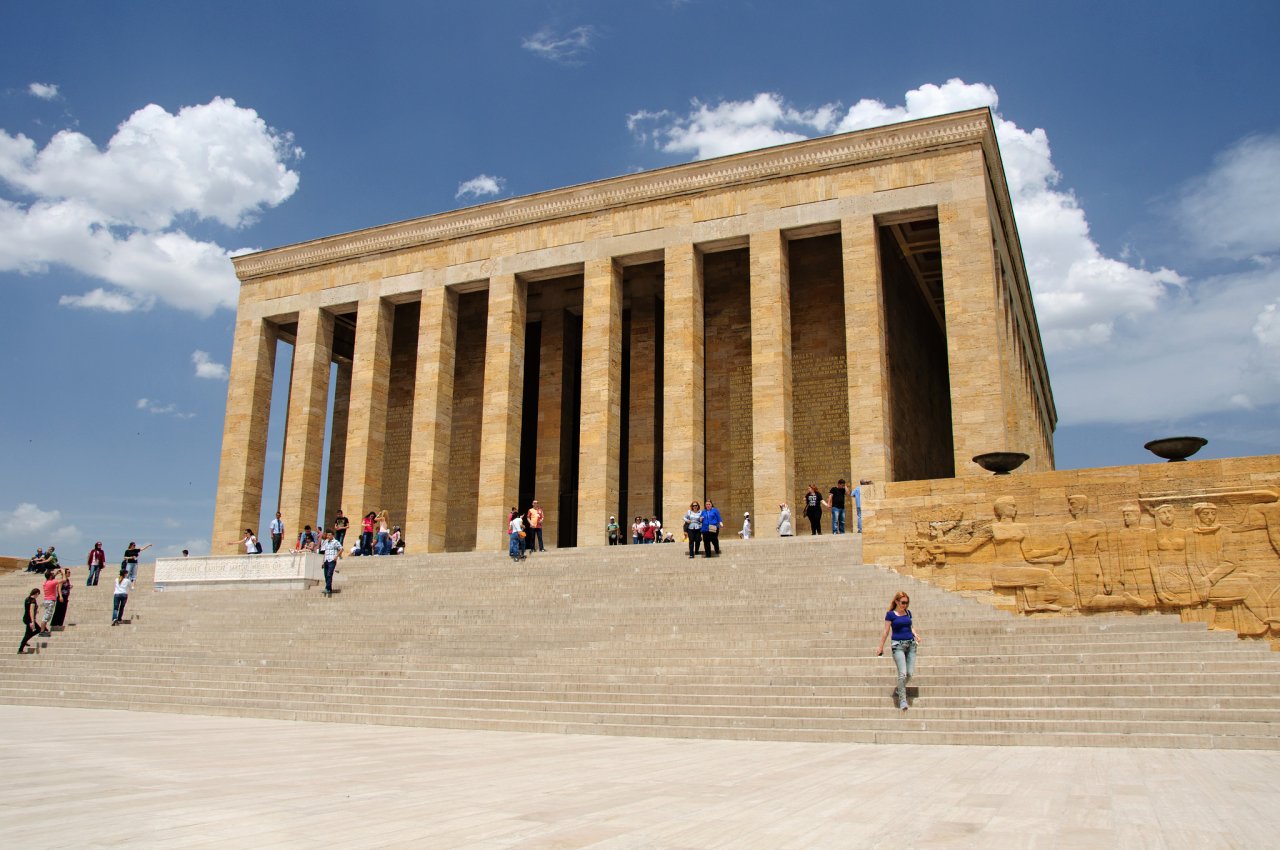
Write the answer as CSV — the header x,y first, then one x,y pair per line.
x,y
897,621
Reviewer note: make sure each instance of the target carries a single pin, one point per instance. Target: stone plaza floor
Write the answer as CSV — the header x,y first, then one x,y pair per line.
x,y
77,778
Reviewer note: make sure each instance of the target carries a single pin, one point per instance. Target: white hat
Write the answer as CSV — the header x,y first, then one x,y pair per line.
x,y
746,513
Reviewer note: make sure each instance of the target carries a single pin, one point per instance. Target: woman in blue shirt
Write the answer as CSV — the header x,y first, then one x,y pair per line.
x,y
905,637
711,523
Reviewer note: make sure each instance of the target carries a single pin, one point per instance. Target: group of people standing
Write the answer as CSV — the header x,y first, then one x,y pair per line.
x,y
837,499
524,531
702,524
44,611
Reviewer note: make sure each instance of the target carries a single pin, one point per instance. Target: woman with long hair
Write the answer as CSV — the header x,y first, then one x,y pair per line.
x,y
366,533
905,638
30,618
383,546
813,509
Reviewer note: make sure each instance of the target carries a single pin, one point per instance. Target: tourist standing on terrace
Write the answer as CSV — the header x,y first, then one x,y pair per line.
x,y
693,527
366,533
277,533
96,561
515,527
905,637
838,494
612,530
711,523
131,557
383,546
534,516
30,618
340,525
784,520
813,509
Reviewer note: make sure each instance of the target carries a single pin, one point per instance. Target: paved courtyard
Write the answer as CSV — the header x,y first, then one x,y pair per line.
x,y
77,778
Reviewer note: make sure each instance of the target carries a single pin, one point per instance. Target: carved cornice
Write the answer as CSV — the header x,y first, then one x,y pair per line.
x,y
788,160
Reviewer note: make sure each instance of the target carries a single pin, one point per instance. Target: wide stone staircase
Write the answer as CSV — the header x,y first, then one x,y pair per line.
x,y
774,640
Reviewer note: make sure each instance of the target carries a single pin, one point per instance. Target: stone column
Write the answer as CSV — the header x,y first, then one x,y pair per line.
x,y
550,401
683,360
599,445
304,433
432,420
865,352
773,452
500,419
244,434
367,412
338,439
973,332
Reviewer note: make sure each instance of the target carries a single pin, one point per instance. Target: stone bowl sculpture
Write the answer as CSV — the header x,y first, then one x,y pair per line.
x,y
1174,449
1001,463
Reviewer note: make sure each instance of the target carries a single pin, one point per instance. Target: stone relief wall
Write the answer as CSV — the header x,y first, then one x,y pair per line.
x,y
1199,538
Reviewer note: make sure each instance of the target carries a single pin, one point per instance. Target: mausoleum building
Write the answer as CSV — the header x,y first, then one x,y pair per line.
x,y
853,306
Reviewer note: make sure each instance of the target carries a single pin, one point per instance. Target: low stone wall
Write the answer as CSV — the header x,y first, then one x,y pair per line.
x,y
1201,538
284,571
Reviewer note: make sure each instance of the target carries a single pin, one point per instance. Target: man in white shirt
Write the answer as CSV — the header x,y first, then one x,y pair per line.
x,y
277,533
516,529
331,549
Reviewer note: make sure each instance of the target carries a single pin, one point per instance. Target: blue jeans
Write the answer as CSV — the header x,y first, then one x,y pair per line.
x,y
837,520
133,571
859,520
514,548
383,546
93,575
329,567
904,656
117,606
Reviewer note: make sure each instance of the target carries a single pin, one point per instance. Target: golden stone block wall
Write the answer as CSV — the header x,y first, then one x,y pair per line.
x,y
820,401
642,448
464,443
729,389
1200,538
400,398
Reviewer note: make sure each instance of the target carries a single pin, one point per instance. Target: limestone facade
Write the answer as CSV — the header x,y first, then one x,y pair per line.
x,y
854,307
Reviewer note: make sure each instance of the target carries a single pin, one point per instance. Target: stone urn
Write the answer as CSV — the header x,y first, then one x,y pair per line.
x,y
1175,449
1001,463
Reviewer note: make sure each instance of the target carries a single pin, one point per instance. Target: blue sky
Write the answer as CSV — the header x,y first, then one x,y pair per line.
x,y
142,143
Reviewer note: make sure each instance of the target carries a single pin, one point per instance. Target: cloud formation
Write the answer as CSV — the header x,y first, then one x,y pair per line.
x,y
159,408
480,186
28,520
1125,343
44,91
206,367
565,48
119,214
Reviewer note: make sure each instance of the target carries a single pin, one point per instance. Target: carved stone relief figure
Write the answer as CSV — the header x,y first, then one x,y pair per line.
x,y
1035,588
1090,569
1173,580
1214,575
1129,545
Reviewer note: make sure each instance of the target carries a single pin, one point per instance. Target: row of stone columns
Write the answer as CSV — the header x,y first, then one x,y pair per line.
x,y
682,399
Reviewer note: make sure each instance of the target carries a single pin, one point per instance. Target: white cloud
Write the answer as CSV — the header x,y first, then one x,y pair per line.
x,y
27,518
117,214
565,48
480,186
159,408
1230,212
207,368
44,91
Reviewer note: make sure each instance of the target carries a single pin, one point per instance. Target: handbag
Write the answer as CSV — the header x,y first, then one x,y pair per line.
x,y
713,528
